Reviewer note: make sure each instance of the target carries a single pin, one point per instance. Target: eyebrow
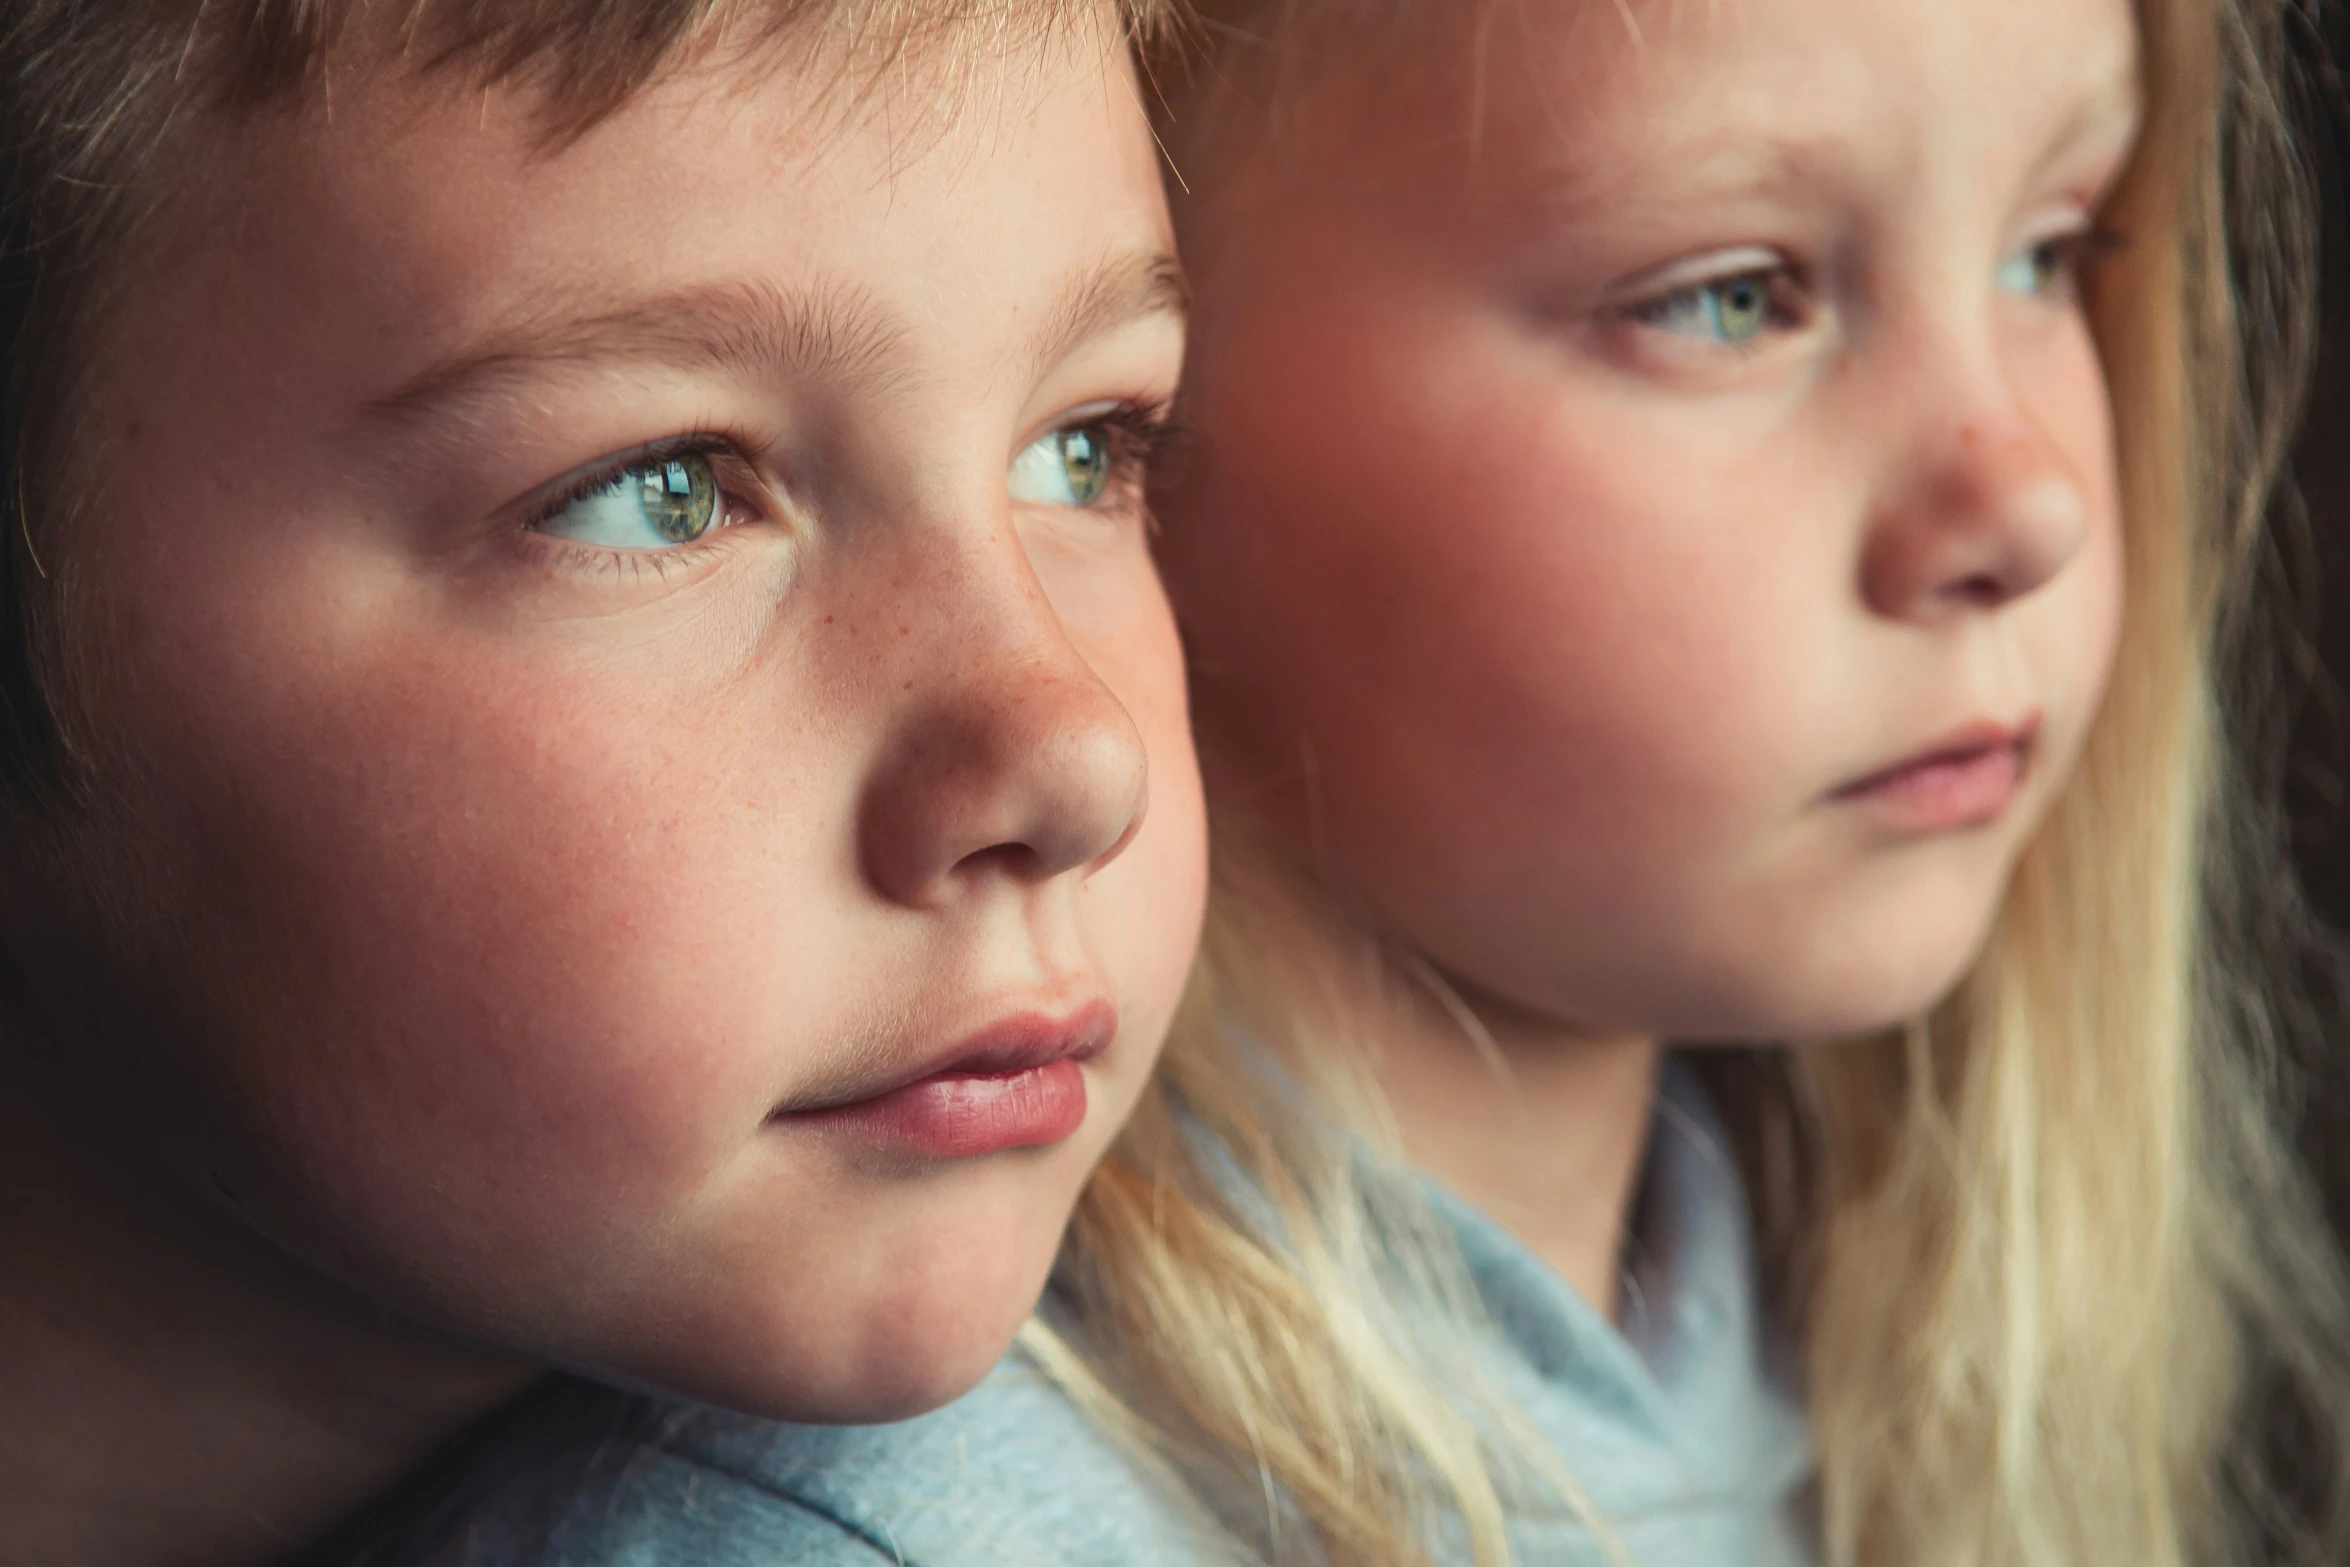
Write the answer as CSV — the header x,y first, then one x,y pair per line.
x,y
755,328
1716,163
1777,162
1120,289
749,326
2114,107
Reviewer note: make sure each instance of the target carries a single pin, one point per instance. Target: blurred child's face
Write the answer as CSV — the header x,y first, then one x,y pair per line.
x,y
645,812
1654,501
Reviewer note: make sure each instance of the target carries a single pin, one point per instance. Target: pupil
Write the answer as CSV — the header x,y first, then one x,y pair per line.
x,y
1085,459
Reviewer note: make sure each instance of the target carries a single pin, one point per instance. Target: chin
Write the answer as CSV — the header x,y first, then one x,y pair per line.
x,y
1819,979
887,1339
932,1377
936,1347
1878,985
922,1364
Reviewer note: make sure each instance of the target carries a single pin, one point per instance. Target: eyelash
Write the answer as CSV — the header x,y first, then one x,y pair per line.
x,y
729,466
2070,254
1140,433
2075,252
1778,281
698,443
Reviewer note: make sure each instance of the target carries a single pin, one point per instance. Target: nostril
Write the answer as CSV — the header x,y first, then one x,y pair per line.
x,y
1984,590
1017,861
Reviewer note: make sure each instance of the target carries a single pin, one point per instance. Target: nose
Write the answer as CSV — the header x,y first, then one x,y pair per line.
x,y
1010,761
1984,507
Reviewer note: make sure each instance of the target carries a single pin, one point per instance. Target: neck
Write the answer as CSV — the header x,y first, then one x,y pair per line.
x,y
172,1388
1541,1126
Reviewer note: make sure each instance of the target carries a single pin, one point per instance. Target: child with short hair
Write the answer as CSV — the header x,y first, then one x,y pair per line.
x,y
596,763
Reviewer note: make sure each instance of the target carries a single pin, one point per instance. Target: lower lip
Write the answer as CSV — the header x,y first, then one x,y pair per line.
x,y
1947,792
957,1115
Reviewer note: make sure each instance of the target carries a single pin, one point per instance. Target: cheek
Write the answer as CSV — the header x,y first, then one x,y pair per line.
x,y
1456,580
547,931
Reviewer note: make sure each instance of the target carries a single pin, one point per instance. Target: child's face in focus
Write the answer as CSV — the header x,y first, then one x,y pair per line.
x,y
618,657
1656,502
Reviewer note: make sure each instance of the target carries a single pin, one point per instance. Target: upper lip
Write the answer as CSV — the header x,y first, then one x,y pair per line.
x,y
1969,739
1018,1042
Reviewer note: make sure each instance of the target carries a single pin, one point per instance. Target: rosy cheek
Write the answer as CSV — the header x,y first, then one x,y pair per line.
x,y
483,893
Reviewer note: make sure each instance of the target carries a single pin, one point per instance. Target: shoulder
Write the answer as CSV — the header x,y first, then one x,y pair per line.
x,y
1011,1475
650,1509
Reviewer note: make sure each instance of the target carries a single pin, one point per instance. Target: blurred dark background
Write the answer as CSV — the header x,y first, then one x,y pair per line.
x,y
2317,767
2317,781
2313,648
2319,786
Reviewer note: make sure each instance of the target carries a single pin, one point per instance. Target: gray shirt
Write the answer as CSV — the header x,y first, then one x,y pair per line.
x,y
1674,1425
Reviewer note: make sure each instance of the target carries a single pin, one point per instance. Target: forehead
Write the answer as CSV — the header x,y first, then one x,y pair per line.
x,y
1575,84
406,215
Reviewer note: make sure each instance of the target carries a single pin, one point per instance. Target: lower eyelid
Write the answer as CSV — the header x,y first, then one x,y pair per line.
x,y
734,516
589,561
1778,284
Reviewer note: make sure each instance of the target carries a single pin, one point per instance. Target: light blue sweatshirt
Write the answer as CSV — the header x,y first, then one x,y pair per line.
x,y
1675,1425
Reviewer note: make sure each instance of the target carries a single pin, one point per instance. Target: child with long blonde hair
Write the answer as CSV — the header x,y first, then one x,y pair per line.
x,y
1730,523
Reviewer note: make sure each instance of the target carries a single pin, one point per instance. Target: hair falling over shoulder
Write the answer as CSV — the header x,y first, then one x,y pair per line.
x,y
2054,1265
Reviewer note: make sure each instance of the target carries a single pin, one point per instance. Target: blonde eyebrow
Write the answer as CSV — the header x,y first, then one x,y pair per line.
x,y
755,328
1737,157
1123,288
2113,107
750,327
1774,161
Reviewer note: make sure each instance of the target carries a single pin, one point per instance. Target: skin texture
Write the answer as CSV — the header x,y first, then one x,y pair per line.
x,y
458,902
1544,629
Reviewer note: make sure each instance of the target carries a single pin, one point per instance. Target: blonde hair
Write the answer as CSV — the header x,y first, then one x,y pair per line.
x,y
2048,1249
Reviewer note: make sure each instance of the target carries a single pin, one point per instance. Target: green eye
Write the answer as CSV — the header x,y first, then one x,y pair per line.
x,y
1732,310
2042,269
1066,467
1741,307
652,505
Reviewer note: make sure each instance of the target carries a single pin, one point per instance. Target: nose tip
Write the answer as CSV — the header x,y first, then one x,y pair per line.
x,y
1990,523
1035,774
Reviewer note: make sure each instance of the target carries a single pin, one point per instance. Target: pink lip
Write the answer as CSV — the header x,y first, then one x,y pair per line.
x,y
1965,779
1017,1083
